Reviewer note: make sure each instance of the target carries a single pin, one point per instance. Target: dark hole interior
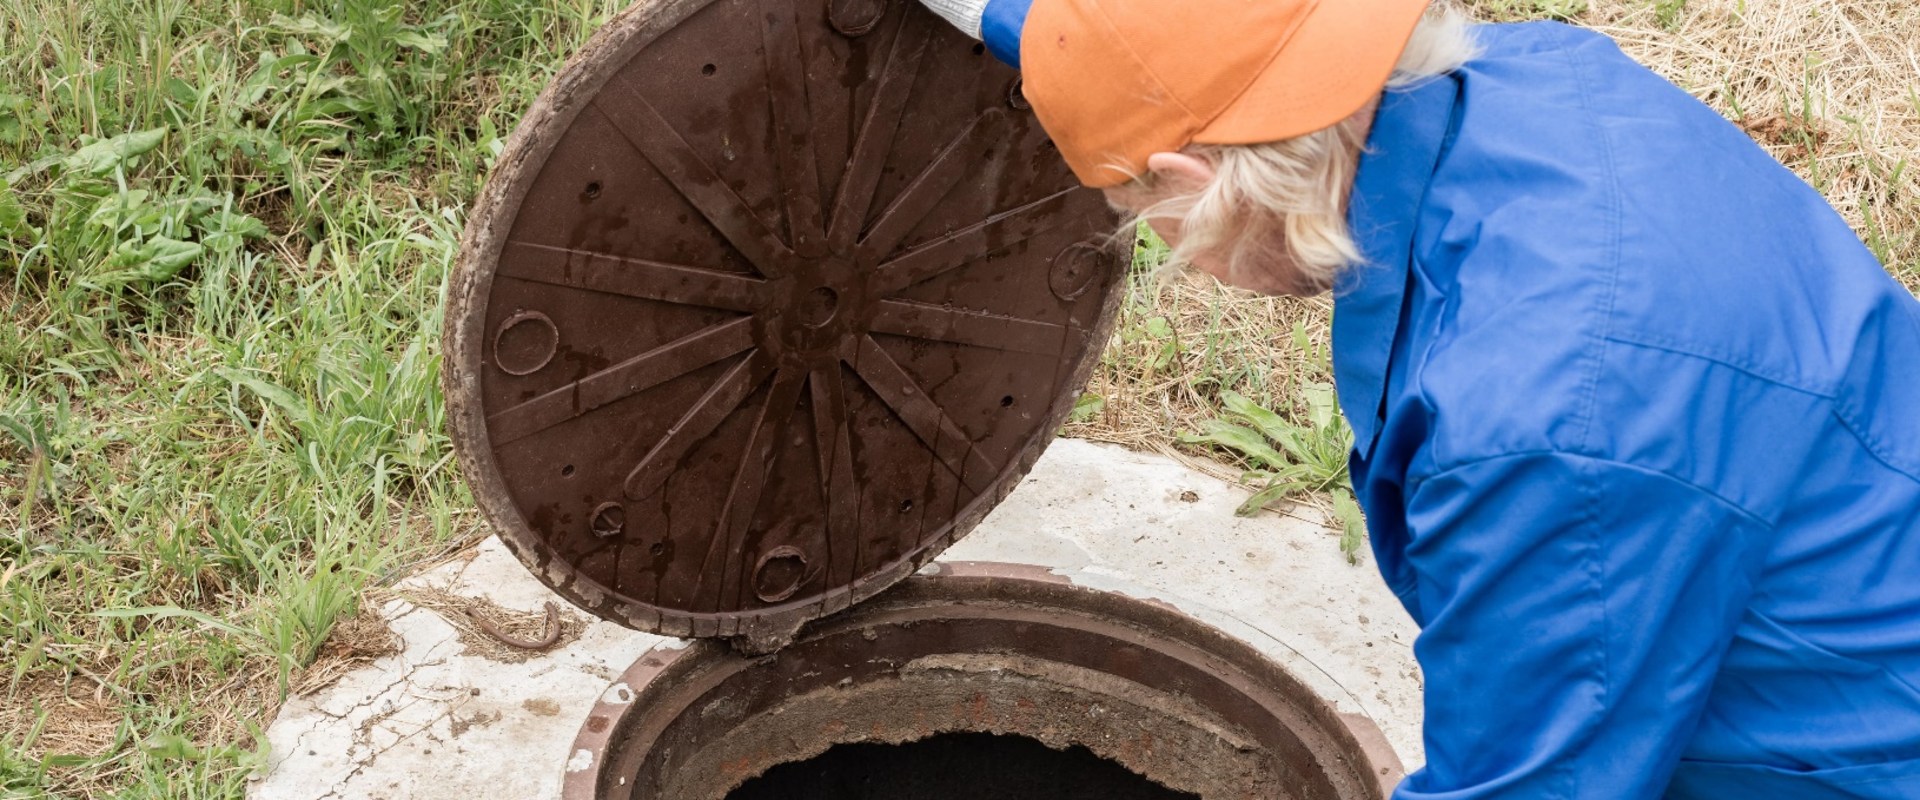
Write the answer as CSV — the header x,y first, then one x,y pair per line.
x,y
954,766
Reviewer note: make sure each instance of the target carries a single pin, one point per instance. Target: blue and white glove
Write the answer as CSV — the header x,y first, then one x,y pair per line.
x,y
996,22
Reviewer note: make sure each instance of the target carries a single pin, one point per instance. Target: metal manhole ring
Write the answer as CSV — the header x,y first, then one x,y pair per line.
x,y
983,647
806,322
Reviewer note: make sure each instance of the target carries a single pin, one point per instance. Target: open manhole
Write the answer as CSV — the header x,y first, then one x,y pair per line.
x,y
979,680
951,765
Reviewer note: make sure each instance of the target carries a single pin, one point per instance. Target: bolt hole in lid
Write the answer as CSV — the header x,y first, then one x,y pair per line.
x,y
776,363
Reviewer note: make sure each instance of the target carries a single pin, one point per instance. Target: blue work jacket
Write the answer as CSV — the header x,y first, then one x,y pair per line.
x,y
1637,424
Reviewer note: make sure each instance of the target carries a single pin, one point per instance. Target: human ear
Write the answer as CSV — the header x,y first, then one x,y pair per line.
x,y
1181,170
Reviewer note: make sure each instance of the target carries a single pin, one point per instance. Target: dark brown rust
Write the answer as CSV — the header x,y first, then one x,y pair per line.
x,y
767,303
983,648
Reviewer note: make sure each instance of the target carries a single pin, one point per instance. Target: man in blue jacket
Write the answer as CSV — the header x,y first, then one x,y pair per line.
x,y
1637,416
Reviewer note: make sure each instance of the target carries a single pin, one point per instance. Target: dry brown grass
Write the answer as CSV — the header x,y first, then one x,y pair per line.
x,y
1183,340
69,716
354,642
1830,87
85,714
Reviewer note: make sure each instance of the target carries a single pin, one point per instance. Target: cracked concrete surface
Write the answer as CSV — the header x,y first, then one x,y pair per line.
x,y
437,721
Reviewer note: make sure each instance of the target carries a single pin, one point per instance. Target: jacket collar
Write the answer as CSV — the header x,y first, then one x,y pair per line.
x,y
1410,131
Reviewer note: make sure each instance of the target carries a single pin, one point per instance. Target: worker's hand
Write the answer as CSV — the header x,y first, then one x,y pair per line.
x,y
996,22
964,14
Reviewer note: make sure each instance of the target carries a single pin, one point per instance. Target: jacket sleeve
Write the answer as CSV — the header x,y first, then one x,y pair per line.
x,y
964,14
1577,611
998,23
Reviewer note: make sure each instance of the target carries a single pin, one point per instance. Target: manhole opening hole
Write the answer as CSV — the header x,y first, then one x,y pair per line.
x,y
943,687
953,766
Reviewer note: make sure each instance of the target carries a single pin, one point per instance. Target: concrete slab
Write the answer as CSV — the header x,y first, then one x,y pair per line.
x,y
451,718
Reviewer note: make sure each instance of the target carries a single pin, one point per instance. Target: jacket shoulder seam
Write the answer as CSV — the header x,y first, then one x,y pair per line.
x,y
1838,404
1728,360
1603,306
1415,482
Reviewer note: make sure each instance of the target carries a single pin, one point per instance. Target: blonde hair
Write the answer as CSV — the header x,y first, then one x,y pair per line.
x,y
1285,201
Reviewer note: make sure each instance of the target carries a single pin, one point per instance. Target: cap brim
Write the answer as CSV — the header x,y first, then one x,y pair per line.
x,y
1340,58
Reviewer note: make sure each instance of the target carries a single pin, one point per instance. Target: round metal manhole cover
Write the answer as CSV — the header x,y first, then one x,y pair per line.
x,y
767,302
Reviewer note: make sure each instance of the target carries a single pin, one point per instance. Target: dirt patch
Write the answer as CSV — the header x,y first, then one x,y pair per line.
x,y
460,725
74,716
1794,138
354,642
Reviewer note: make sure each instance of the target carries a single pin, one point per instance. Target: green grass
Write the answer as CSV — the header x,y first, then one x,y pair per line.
x,y
224,231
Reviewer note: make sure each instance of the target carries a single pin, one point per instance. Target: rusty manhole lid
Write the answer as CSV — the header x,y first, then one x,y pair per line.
x,y
768,302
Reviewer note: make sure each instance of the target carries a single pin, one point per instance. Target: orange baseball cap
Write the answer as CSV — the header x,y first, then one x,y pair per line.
x,y
1115,81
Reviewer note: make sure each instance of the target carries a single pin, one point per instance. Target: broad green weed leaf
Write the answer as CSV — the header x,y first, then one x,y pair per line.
x,y
1240,439
102,157
1267,496
156,260
1088,406
429,43
13,218
262,751
1322,405
117,210
12,128
1256,415
310,25
1291,440
228,231
29,436
1353,524
171,746
182,92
